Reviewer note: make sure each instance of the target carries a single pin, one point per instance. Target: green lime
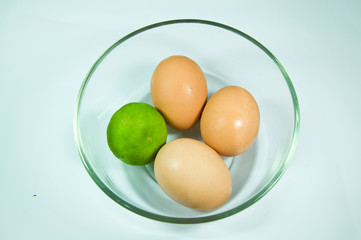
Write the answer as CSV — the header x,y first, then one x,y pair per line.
x,y
136,132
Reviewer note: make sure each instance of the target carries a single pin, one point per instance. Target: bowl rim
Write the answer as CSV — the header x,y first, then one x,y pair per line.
x,y
163,218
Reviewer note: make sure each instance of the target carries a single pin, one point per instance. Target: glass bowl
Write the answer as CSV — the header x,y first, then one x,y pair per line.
x,y
227,56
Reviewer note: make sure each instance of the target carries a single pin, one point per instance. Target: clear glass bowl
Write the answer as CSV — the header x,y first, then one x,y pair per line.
x,y
228,57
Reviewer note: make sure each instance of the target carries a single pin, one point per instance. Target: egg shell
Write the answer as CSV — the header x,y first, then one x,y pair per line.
x,y
179,91
193,174
230,121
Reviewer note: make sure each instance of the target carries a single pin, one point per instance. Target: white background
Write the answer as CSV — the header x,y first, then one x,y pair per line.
x,y
46,49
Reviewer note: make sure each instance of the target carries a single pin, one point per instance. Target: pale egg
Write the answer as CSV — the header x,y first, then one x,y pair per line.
x,y
193,174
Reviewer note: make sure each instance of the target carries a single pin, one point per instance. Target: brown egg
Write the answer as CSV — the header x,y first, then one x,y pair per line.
x,y
230,121
193,174
179,91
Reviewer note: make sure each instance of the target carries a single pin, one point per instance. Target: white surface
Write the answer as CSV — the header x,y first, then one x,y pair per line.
x,y
46,49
